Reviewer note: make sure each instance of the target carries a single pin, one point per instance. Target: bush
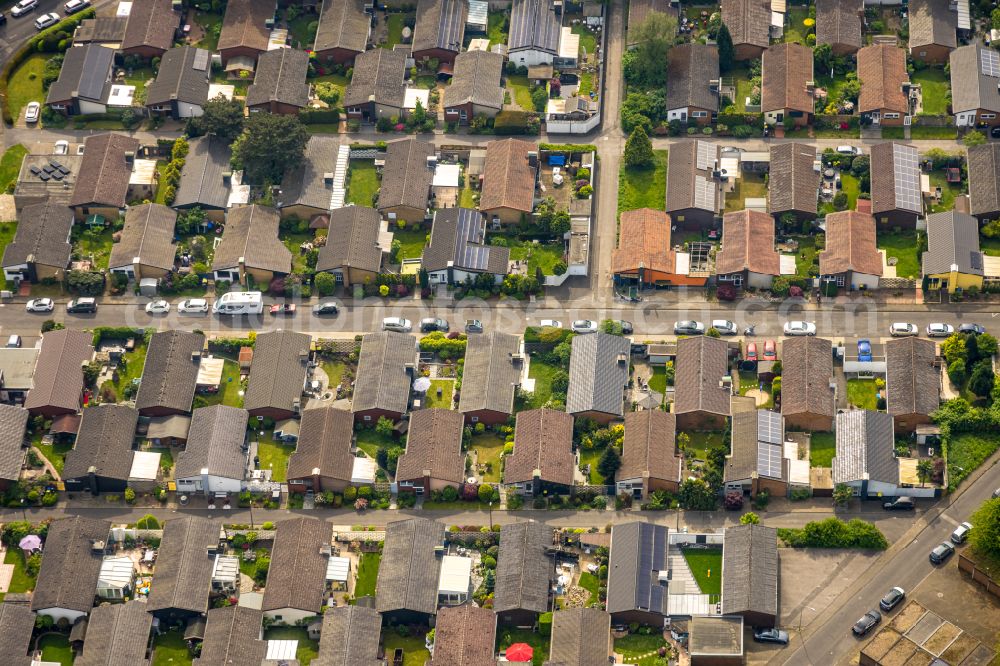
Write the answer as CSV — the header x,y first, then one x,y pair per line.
x,y
130,495
148,522
449,494
325,284
545,624
835,533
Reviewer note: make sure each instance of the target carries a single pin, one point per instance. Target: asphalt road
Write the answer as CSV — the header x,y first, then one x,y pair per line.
x,y
20,29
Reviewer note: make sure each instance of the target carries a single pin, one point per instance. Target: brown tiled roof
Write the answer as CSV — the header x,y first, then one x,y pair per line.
x,y
807,369
251,233
324,443
278,370
343,24
117,635
464,636
508,179
104,174
434,445
378,77
183,577
690,69
882,72
245,24
170,372
787,68
748,21
17,623
684,176
42,236
350,637
297,575
912,380
598,374
649,446
406,177
750,562
524,569
792,181
984,178
477,80
280,77
382,378
580,637
543,441
701,364
932,22
745,442
850,245
440,24
644,238
148,235
13,423
58,380
151,23
748,244
838,23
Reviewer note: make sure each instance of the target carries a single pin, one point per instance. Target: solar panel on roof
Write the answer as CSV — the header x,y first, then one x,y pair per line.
x,y
704,193
200,60
989,62
906,177
707,154
769,460
976,260
769,427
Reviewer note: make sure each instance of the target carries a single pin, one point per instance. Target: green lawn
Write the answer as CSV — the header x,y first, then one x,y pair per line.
x,y
906,248
7,231
507,637
308,649
362,182
25,83
299,30
948,192
496,27
20,581
542,373
850,186
94,244
274,456
411,242
364,586
521,87
334,371
369,441
10,166
294,242
935,84
862,393
588,39
749,186
590,582
447,387
639,649
171,649
161,187
822,448
55,648
796,31
229,388
396,23
966,452
586,84
539,255
134,361
488,447
807,255
989,246
209,22
701,441
706,567
644,188
741,77
592,457
658,382
56,453
414,652
338,80
921,132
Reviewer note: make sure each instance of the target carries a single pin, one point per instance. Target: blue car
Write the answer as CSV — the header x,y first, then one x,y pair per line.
x,y
864,350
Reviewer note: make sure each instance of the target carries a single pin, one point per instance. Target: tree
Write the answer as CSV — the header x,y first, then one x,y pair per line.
x,y
987,345
611,327
985,534
270,145
842,494
222,118
653,38
925,468
724,42
384,426
974,138
822,58
609,463
325,283
485,492
982,379
696,495
713,332
954,349
956,372
749,518
539,98
638,149
328,92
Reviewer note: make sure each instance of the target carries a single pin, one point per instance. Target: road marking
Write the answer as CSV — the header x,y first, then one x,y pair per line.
x,y
949,519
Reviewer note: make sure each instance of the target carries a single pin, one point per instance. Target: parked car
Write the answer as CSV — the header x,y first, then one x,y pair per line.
x,y
941,553
901,329
900,504
14,341
74,6
848,150
751,353
961,533
3,19
40,305
473,326
800,328
688,327
397,324
996,493
939,330
32,112
770,351
23,7
972,329
82,305
550,323
193,306
865,350
892,599
995,132
283,309
626,326
431,324
46,21
771,635
157,307
867,622
328,308
584,326
725,327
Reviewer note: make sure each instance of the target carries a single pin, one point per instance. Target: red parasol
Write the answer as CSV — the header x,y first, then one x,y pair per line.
x,y
520,652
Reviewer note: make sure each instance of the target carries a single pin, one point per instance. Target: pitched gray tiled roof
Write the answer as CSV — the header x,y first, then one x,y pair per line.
x,y
912,380
280,77
101,29
838,23
278,370
690,69
492,373
684,176
324,443
792,182
440,24
349,637
598,374
117,635
638,554
148,235
580,637
543,441
252,233
184,566
750,570
382,378
807,369
104,174
971,88
465,636
984,179
748,21
743,460
408,572
524,570
182,77
458,240
434,445
13,421
952,241
378,76
297,575
865,447
17,623
151,23
245,25
476,79
533,26
343,24
889,192
650,446
214,442
932,22
406,177
42,236
307,185
232,637
202,181
170,373
70,565
352,240
702,362
104,442
58,380
85,75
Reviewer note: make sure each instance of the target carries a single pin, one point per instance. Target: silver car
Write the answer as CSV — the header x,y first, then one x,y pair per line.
x,y
901,329
584,326
397,324
725,327
939,330
800,328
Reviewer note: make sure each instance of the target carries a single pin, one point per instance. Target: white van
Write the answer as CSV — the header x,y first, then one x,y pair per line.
x,y
239,303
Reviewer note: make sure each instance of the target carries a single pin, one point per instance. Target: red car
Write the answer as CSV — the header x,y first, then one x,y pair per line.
x,y
751,354
284,309
770,353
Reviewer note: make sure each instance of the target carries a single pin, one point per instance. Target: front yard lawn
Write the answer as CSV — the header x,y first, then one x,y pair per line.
x,y
589,582
7,231
93,244
699,442
862,393
130,370
411,242
447,388
542,373
20,580
592,457
934,83
521,87
56,453
658,382
807,255
906,247
640,649
948,192
644,188
706,567
370,441
364,585
293,242
966,452
362,182
822,448
55,648
414,651
171,649
744,87
274,456
25,83
10,166
507,637
488,447
307,650
539,255
749,186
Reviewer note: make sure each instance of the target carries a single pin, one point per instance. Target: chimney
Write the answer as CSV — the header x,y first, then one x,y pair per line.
x,y
196,356
227,177
328,178
622,358
533,158
92,479
297,405
714,85
129,157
